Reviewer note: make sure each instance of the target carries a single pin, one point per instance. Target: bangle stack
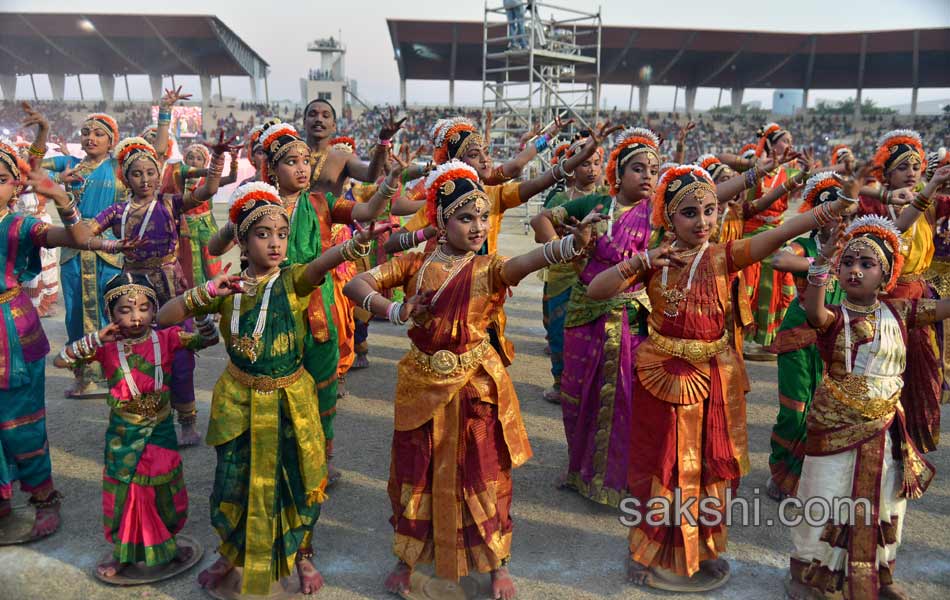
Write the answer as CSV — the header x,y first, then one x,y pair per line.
x,y
541,143
751,178
107,246
823,214
367,302
389,191
921,202
560,251
848,200
206,328
217,166
818,274
352,250
394,311
199,297
164,115
68,214
559,172
82,349
407,240
627,270
37,152
384,143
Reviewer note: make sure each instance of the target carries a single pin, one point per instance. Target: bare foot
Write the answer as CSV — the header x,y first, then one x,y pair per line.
x,y
502,586
110,568
638,574
717,567
397,582
333,475
47,518
552,395
183,554
774,492
894,592
795,590
310,578
189,435
81,389
341,388
361,361
212,576
561,482
6,507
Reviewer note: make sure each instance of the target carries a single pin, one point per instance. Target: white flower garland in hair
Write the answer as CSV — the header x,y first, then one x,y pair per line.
x,y
814,180
122,145
638,132
249,188
445,168
704,157
694,169
439,137
285,128
4,140
883,140
873,221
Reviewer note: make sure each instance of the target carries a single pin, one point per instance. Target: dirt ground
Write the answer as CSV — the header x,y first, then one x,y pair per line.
x,y
564,546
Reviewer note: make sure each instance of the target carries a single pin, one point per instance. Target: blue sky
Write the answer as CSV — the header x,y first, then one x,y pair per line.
x,y
281,38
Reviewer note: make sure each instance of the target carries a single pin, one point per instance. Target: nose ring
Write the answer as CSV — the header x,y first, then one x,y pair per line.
x,y
860,275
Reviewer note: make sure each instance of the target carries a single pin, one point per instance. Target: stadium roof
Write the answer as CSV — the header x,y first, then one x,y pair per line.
x,y
73,43
688,57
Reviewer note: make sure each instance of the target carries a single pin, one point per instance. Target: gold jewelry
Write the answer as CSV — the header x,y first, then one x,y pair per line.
x,y
860,309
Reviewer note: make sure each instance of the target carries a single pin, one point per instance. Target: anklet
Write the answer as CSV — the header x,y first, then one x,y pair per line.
x,y
51,501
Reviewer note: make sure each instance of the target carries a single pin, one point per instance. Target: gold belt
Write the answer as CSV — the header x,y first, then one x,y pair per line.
x,y
10,294
148,405
263,383
691,350
910,277
150,263
447,363
853,392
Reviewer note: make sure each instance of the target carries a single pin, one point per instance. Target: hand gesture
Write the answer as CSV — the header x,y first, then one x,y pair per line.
x,y
603,131
415,306
365,235
34,117
62,147
110,334
224,284
807,162
391,127
684,131
939,180
665,255
222,146
128,245
71,176
44,186
851,184
584,230
172,96
834,244
557,126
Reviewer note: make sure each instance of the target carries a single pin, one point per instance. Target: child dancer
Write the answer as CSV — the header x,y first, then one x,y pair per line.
x,y
144,500
858,443
271,471
799,365
458,429
24,451
689,434
147,231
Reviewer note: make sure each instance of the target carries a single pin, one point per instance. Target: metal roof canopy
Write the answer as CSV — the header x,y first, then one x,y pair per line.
x,y
703,58
124,44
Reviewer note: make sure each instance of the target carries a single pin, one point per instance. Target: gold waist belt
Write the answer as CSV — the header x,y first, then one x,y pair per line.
x,y
691,350
263,383
148,405
10,294
150,263
447,363
910,277
853,392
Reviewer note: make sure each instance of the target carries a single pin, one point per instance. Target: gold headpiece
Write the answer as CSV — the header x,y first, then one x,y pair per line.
x,y
130,289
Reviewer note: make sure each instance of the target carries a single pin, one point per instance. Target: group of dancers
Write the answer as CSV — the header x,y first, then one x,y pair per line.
x,y
657,276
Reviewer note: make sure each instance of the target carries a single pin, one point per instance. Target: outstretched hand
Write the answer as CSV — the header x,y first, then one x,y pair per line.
x,y
583,230
225,284
173,96
222,146
603,131
392,126
129,245
557,126
851,184
365,235
684,131
835,243
34,117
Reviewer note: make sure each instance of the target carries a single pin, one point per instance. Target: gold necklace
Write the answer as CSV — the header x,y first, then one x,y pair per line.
x,y
450,260
250,283
859,308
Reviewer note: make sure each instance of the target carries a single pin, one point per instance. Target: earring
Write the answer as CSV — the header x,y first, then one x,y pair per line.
x,y
442,238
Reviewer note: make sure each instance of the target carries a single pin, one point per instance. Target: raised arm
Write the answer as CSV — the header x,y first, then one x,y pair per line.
x,y
790,259
351,250
819,274
38,148
610,282
222,241
679,157
534,141
923,200
370,172
165,118
75,232
765,243
564,169
565,250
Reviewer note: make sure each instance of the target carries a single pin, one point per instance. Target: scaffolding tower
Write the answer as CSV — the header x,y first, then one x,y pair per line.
x,y
552,68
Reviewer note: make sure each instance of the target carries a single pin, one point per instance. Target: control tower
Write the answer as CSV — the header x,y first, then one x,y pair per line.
x,y
328,81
